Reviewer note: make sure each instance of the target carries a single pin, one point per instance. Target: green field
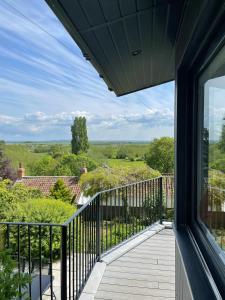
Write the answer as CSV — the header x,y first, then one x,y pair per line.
x,y
123,163
113,154
22,153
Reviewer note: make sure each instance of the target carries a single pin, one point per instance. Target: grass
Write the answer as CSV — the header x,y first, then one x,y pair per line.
x,y
123,163
29,153
22,153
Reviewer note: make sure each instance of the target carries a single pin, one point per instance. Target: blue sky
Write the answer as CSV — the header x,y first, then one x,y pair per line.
x,y
44,85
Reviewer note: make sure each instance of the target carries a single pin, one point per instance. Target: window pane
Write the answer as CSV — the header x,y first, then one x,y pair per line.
x,y
211,206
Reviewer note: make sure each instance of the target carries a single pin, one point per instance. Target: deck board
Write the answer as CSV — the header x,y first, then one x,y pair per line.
x,y
145,272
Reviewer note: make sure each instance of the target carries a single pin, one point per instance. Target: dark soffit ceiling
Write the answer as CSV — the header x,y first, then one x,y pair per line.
x,y
131,43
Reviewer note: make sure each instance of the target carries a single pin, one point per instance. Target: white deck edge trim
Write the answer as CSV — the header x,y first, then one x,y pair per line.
x,y
97,273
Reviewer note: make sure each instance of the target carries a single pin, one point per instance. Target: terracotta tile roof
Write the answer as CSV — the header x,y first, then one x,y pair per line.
x,y
44,183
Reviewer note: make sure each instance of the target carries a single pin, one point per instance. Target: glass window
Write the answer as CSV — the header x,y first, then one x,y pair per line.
x,y
211,194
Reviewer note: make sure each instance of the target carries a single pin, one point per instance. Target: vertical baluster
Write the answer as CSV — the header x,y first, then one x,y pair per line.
x,y
80,237
133,210
50,261
63,263
106,217
115,214
125,211
29,256
73,249
85,242
40,262
77,266
94,232
98,230
136,208
111,219
119,229
140,207
18,254
83,247
69,260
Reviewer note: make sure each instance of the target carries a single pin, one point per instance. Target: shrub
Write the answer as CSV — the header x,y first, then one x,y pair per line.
x,y
11,194
39,211
106,178
61,191
11,281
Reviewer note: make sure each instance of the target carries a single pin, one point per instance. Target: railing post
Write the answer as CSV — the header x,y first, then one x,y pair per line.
x,y
161,198
64,263
98,229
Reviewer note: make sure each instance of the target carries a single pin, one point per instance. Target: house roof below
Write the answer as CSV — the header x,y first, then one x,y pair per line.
x,y
45,183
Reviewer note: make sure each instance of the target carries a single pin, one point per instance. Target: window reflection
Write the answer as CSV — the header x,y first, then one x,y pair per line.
x,y
212,164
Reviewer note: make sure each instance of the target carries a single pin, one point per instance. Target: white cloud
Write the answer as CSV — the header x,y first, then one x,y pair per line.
x,y
37,125
43,85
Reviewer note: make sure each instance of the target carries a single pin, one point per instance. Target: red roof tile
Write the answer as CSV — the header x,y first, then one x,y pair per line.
x,y
45,183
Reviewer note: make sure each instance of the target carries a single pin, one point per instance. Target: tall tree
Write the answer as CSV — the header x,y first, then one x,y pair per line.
x,y
79,141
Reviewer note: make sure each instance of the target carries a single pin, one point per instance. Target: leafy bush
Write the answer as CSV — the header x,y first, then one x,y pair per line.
x,y
38,211
12,194
161,155
106,178
11,281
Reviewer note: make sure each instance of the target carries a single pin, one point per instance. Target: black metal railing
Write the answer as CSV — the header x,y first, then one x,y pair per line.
x,y
60,257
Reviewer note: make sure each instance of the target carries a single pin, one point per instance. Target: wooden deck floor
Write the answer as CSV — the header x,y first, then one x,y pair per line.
x,y
145,272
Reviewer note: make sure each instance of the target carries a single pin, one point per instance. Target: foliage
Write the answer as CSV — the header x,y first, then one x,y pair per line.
x,y
161,155
218,164
216,192
66,165
222,140
71,164
39,211
6,170
61,191
43,167
11,281
11,194
106,178
22,153
79,141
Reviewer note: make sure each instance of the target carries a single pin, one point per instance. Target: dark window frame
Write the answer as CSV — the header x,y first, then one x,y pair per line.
x,y
186,165
207,246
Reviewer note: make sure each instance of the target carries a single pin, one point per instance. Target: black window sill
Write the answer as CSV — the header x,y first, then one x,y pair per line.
x,y
200,279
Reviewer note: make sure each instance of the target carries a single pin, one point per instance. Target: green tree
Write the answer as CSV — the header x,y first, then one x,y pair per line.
x,y
70,165
43,167
161,155
222,140
79,141
61,191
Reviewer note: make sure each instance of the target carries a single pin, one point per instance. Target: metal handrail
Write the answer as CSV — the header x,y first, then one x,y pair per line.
x,y
103,222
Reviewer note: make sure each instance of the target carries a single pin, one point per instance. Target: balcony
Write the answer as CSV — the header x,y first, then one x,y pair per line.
x,y
121,231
